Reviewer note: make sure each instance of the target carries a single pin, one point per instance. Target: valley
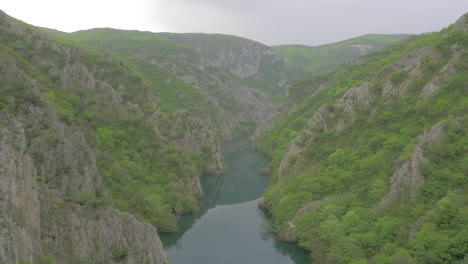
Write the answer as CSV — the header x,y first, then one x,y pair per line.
x,y
110,139
229,223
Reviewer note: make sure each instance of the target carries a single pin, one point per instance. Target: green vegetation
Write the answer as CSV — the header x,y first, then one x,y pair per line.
x,y
173,93
136,50
328,57
146,174
120,254
348,170
49,259
211,45
89,199
129,42
184,53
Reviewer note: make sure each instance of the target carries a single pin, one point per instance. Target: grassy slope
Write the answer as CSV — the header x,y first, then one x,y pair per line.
x,y
355,165
327,57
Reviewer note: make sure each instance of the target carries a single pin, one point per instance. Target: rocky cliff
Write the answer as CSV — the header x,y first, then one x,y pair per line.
x,y
38,219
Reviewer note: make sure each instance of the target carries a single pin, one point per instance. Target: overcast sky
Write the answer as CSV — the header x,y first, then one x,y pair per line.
x,y
273,22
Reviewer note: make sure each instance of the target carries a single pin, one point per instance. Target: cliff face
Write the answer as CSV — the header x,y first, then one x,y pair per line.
x,y
37,219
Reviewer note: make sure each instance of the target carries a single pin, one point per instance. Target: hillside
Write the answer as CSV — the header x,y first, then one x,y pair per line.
x,y
223,102
83,136
209,61
369,160
324,58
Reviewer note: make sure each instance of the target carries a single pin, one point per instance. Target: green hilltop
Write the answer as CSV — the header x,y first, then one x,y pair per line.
x,y
323,58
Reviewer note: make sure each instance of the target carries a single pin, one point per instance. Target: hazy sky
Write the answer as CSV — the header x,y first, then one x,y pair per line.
x,y
272,22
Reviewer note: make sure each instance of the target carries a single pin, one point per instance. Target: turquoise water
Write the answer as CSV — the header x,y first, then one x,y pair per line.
x,y
228,228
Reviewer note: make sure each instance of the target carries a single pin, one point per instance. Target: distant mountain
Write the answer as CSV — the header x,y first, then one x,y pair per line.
x,y
201,57
255,63
323,58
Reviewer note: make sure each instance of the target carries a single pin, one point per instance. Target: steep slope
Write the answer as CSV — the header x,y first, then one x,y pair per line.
x,y
81,133
324,58
369,161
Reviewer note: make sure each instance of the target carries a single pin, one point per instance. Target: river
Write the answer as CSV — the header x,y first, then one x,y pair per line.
x,y
229,227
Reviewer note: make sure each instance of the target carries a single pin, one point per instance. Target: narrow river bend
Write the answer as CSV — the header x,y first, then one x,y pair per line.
x,y
228,229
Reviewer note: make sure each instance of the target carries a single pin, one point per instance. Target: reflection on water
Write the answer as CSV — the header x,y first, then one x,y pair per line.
x,y
211,185
228,228
243,181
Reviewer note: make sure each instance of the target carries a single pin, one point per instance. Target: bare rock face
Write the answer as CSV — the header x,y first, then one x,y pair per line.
x,y
19,201
100,235
406,179
362,49
36,220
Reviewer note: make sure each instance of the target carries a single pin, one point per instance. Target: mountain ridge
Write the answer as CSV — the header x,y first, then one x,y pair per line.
x,y
326,57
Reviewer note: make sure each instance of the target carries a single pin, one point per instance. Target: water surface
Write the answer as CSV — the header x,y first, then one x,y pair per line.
x,y
229,227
